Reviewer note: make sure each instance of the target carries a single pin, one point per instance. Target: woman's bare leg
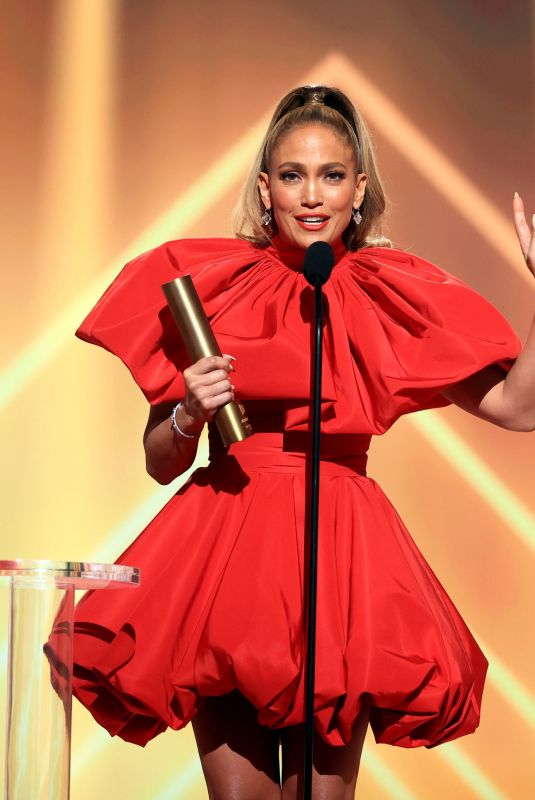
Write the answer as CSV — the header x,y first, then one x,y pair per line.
x,y
334,769
239,757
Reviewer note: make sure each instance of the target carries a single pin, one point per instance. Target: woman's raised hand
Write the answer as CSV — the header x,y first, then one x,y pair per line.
x,y
208,387
526,235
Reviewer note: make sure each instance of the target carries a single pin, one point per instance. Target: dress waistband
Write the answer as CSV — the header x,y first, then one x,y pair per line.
x,y
290,451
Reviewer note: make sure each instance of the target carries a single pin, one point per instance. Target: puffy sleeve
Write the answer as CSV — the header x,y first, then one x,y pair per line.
x,y
415,330
132,321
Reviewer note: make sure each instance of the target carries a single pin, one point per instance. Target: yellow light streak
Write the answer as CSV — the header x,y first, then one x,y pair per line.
x,y
477,781
92,747
123,535
475,471
372,762
173,223
512,690
427,159
184,784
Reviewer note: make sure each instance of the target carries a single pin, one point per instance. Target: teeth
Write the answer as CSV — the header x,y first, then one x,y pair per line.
x,y
312,219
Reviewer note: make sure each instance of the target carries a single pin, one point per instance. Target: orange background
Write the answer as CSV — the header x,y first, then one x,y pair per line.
x,y
128,123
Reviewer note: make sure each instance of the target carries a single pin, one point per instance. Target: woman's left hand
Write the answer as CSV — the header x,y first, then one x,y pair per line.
x,y
526,237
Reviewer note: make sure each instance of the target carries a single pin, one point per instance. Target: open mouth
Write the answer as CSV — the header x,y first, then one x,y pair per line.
x,y
312,222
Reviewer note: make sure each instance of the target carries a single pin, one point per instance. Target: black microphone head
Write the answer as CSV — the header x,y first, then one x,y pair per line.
x,y
318,264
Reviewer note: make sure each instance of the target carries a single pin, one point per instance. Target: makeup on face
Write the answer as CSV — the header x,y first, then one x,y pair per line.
x,y
312,185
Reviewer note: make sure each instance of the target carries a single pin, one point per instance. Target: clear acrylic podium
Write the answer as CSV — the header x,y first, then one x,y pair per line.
x,y
38,736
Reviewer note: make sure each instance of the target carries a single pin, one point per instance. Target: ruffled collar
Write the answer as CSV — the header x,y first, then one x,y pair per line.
x,y
293,256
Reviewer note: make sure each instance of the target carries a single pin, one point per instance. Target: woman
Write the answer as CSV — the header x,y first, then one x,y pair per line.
x,y
215,633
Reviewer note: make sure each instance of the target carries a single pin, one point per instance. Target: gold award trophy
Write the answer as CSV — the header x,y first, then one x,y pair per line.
x,y
199,340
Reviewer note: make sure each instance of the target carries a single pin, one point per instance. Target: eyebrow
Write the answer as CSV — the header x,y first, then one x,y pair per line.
x,y
298,165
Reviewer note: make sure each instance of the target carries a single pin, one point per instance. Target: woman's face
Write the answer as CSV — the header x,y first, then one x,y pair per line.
x,y
312,185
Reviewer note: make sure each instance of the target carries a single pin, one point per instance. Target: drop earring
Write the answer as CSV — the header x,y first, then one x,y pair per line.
x,y
266,217
357,216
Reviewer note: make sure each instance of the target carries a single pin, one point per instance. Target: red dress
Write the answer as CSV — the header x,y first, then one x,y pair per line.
x,y
220,604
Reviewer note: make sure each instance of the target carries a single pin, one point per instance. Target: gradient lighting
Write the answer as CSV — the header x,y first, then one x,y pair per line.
x,y
65,136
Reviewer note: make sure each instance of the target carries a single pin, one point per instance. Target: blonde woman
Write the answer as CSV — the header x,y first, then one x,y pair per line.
x,y
215,633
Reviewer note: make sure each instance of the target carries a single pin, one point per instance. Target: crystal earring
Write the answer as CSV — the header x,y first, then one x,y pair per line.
x,y
357,216
266,217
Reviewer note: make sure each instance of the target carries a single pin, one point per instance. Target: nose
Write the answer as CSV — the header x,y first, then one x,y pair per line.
x,y
311,194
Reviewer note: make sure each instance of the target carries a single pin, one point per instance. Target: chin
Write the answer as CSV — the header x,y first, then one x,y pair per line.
x,y
304,239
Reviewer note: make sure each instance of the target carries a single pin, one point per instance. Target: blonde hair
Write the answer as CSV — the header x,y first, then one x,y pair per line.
x,y
316,105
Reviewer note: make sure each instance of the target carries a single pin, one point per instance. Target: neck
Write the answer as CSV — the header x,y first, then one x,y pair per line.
x,y
293,256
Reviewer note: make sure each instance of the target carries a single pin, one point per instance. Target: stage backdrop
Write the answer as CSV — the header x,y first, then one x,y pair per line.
x,y
126,123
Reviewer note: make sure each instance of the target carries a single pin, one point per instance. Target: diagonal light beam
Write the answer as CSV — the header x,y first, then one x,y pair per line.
x,y
428,160
174,222
505,682
183,786
477,781
476,472
393,786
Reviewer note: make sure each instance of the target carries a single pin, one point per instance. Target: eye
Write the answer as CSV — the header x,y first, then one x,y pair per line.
x,y
335,175
289,177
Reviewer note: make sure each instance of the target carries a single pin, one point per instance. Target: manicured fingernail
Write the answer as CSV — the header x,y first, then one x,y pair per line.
x,y
516,194
227,356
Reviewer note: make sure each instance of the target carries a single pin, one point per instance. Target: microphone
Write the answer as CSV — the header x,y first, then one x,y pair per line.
x,y
318,263
317,268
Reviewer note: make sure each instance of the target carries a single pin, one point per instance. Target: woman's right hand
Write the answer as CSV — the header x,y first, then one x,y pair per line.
x,y
208,387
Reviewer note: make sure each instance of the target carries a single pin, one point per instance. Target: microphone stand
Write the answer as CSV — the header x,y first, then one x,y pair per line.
x,y
313,543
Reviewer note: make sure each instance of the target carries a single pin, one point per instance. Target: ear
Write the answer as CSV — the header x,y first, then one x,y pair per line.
x,y
360,189
263,188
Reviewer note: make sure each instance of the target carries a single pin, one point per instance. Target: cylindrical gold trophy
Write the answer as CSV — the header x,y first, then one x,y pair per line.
x,y
199,340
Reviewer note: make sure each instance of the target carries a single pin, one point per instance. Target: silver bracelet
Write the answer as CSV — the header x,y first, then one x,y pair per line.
x,y
175,426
